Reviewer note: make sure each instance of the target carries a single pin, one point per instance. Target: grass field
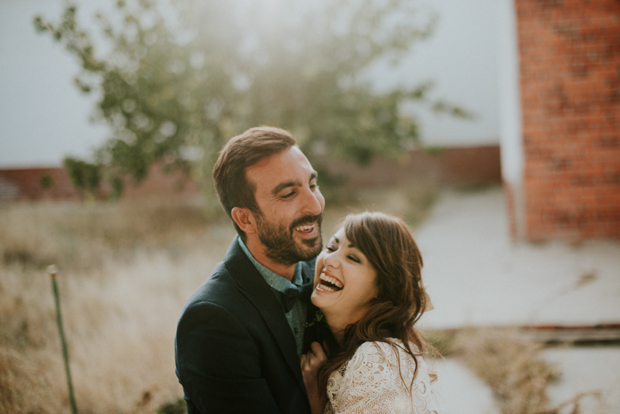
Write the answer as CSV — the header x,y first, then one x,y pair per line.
x,y
125,272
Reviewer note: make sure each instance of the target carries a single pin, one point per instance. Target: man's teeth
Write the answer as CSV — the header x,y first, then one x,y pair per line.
x,y
307,227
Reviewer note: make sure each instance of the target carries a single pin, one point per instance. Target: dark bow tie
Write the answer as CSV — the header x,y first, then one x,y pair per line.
x,y
291,295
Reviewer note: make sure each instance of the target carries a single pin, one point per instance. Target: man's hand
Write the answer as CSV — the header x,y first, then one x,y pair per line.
x,y
310,364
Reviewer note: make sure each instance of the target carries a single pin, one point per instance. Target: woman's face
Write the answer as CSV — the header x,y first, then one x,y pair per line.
x,y
344,280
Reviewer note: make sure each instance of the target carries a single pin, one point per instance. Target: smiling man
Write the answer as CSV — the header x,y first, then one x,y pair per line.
x,y
241,333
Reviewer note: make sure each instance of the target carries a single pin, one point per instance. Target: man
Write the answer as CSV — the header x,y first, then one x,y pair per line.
x,y
241,333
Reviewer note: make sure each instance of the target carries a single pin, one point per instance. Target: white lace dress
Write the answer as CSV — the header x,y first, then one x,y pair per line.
x,y
370,382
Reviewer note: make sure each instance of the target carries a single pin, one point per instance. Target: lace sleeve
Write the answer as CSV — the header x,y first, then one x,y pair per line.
x,y
371,383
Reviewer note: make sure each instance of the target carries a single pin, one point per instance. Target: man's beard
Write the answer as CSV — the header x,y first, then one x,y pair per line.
x,y
280,244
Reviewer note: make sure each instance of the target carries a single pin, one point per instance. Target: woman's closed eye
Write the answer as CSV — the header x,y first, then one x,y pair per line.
x,y
354,258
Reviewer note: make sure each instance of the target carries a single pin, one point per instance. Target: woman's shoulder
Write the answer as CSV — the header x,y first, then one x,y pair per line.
x,y
374,349
393,345
369,353
383,354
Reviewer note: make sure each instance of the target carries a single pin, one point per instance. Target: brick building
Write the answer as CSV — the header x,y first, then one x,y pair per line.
x,y
561,118
34,184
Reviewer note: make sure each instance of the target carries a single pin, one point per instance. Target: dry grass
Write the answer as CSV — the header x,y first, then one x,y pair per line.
x,y
119,320
126,271
79,235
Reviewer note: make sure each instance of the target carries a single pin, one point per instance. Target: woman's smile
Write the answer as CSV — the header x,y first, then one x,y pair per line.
x,y
328,283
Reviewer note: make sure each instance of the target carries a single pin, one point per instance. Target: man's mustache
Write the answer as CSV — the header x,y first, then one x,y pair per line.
x,y
306,220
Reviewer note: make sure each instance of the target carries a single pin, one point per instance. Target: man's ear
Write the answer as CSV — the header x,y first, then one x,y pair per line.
x,y
244,219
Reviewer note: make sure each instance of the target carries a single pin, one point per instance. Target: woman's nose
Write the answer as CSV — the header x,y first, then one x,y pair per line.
x,y
331,260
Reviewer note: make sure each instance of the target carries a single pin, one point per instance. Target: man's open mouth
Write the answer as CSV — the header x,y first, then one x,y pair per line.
x,y
307,224
306,228
328,283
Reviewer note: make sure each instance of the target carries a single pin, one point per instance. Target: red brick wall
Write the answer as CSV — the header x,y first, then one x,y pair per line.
x,y
570,93
26,184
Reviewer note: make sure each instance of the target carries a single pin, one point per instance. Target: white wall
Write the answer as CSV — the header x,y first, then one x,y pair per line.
x,y
461,57
511,135
510,131
43,116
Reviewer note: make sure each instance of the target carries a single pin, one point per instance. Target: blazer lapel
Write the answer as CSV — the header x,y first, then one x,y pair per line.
x,y
259,293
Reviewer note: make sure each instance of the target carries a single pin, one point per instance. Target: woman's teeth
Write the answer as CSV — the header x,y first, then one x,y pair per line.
x,y
331,284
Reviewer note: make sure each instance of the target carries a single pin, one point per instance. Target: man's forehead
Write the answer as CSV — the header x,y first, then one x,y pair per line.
x,y
288,166
291,155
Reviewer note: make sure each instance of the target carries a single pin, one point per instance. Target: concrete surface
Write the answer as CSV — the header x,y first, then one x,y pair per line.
x,y
477,276
459,392
585,370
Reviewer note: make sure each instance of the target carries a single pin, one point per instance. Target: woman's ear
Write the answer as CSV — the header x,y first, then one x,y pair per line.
x,y
244,218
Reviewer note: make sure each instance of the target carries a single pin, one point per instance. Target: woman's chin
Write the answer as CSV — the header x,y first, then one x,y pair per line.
x,y
318,299
313,298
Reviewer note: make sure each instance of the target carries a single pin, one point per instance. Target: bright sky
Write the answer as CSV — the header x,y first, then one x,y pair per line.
x,y
43,117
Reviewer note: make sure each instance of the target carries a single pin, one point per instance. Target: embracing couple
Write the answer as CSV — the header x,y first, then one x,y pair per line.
x,y
285,326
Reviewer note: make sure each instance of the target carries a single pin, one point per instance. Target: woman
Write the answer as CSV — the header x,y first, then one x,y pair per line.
x,y
369,287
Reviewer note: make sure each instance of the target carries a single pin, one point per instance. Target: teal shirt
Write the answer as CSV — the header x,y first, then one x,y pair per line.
x,y
296,316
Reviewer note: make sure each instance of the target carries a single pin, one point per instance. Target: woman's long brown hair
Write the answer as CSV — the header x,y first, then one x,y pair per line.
x,y
389,246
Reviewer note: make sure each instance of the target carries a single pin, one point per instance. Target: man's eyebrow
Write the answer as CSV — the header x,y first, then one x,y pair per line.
x,y
336,238
291,183
284,185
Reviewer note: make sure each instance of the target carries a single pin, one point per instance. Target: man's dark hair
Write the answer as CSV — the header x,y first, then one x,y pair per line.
x,y
232,186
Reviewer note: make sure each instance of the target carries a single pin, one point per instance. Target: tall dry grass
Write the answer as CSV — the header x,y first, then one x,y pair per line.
x,y
126,271
119,322
78,235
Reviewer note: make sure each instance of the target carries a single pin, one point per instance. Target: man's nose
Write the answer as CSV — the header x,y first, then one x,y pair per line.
x,y
313,203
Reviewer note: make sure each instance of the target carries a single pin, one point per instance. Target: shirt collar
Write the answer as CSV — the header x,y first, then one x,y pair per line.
x,y
277,282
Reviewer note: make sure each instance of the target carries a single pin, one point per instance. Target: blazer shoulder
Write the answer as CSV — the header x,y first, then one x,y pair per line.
x,y
217,288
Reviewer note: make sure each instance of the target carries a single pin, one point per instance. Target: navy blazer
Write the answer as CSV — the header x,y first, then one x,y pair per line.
x,y
235,352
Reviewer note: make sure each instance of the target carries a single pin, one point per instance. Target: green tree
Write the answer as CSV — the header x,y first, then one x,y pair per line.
x,y
84,176
46,181
175,80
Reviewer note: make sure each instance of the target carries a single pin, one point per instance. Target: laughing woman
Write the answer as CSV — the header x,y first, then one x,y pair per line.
x,y
369,287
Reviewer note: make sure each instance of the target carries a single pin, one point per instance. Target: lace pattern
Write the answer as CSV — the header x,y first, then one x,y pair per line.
x,y
370,382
